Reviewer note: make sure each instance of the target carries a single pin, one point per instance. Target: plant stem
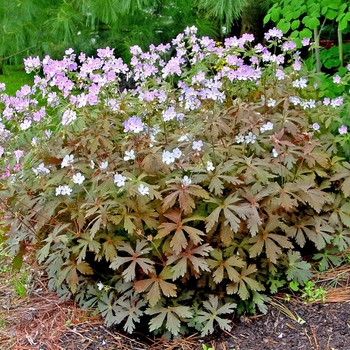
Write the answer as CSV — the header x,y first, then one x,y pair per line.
x,y
340,46
317,50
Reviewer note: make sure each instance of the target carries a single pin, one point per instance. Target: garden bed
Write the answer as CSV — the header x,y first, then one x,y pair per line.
x,y
40,321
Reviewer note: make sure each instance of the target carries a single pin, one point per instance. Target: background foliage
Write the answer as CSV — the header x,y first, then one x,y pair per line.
x,y
40,27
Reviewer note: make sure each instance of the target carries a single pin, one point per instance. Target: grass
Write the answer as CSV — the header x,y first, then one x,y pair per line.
x,y
14,77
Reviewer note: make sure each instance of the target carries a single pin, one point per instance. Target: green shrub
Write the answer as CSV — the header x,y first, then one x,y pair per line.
x,y
179,189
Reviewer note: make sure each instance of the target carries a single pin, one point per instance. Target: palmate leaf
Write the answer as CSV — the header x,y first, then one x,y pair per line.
x,y
231,208
268,242
214,309
135,258
224,268
85,242
322,234
260,301
53,237
156,286
183,195
105,305
219,179
298,269
70,271
179,241
191,257
245,282
302,229
339,210
141,212
342,172
342,239
172,316
328,258
109,246
255,170
315,197
129,308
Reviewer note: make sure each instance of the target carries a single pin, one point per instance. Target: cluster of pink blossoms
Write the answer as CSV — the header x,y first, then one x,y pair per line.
x,y
70,85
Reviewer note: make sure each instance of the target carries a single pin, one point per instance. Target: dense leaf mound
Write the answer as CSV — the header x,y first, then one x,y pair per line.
x,y
192,193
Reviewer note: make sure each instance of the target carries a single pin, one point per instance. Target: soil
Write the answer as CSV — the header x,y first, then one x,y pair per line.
x,y
40,321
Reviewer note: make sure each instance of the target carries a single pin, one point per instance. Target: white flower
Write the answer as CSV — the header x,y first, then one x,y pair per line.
x,y
119,180
316,126
239,138
129,155
67,160
104,165
210,166
300,83
271,102
274,153
295,100
100,285
78,178
41,169
197,145
186,181
68,116
168,157
250,138
25,124
267,126
143,190
177,153
63,190
184,138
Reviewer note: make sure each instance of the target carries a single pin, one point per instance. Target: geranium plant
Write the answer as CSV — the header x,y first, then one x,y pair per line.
x,y
179,188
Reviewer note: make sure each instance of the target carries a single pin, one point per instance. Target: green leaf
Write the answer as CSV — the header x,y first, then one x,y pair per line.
x,y
328,258
136,259
342,239
233,210
260,301
268,242
297,269
311,22
245,282
129,308
224,268
295,24
171,315
105,306
214,309
156,286
305,33
191,257
283,25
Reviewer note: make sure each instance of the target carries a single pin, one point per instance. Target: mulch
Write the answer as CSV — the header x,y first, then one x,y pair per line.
x,y
41,321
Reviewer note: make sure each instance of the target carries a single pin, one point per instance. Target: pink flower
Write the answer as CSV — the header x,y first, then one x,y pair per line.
x,y
315,126
336,79
18,155
343,130
305,41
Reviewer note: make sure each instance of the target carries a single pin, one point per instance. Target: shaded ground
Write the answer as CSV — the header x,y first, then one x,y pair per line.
x,y
40,321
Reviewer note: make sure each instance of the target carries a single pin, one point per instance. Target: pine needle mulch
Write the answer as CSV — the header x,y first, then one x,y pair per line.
x,y
40,321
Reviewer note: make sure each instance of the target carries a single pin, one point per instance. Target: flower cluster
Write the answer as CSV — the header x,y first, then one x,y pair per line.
x,y
86,81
